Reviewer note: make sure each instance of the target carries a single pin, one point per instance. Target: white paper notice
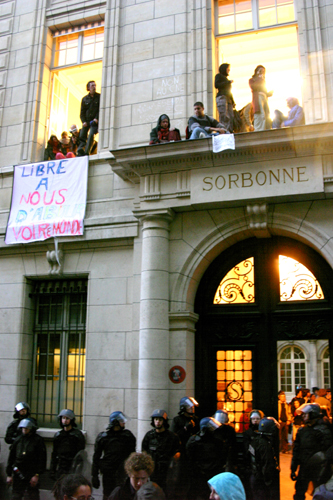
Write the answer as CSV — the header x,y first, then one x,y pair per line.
x,y
222,142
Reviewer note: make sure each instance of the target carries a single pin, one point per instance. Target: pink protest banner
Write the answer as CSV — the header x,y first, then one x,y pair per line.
x,y
48,200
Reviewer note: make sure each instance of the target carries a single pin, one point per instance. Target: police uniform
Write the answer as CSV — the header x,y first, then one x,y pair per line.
x,y
162,446
66,445
27,458
111,450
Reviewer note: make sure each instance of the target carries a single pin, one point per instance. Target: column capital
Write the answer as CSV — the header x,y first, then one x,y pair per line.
x,y
165,215
181,320
158,213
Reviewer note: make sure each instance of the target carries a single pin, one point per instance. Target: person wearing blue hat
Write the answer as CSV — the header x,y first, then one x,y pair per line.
x,y
226,486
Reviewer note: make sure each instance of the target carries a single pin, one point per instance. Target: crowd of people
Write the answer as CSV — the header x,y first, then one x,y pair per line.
x,y
81,142
255,116
187,460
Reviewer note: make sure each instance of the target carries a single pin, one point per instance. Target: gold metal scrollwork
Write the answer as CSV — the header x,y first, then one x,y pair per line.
x,y
238,284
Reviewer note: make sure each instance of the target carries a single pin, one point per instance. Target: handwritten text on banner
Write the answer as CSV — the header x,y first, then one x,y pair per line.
x,y
49,199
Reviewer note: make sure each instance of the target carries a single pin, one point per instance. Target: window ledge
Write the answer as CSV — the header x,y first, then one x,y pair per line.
x,y
48,432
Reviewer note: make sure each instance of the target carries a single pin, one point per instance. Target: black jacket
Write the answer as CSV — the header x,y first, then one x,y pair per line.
x,y
28,454
204,456
162,446
227,437
66,444
309,440
111,450
125,492
223,85
90,107
184,427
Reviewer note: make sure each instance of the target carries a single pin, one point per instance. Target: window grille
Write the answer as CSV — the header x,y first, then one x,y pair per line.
x,y
234,386
59,349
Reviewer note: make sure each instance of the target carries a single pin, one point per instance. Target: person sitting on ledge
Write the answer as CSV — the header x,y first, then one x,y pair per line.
x,y
295,116
163,133
201,125
65,151
52,148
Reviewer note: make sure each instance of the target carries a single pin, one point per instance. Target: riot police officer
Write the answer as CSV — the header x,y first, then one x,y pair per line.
x,y
66,444
204,456
162,445
248,436
265,465
227,436
26,461
22,411
112,447
185,424
315,436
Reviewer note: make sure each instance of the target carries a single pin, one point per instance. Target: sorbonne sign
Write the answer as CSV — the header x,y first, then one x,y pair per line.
x,y
291,176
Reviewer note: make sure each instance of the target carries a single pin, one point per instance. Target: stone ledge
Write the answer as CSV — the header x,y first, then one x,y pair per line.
x,y
48,432
308,140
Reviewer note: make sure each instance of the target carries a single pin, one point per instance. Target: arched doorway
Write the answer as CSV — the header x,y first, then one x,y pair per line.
x,y
236,358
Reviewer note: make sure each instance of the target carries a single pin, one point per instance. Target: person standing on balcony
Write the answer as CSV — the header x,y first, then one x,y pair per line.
x,y
260,96
89,117
224,100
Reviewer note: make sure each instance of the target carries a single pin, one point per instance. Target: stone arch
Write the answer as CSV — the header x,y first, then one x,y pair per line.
x,y
185,286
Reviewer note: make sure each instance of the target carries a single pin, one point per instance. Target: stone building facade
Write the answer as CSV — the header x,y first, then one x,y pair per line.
x,y
165,224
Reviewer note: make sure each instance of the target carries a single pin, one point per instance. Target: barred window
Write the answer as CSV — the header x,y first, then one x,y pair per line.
x,y
59,349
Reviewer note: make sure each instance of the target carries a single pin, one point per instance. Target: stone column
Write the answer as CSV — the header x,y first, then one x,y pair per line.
x,y
154,317
313,364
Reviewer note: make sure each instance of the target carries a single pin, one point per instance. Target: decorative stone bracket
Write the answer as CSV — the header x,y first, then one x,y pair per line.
x,y
258,216
55,258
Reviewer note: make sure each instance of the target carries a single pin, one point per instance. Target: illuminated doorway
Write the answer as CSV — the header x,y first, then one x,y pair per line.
x,y
277,50
258,314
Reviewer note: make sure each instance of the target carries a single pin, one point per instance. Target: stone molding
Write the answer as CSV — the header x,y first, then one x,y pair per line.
x,y
308,140
211,245
183,320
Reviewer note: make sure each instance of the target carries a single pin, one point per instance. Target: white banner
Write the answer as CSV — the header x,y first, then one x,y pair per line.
x,y
222,142
49,199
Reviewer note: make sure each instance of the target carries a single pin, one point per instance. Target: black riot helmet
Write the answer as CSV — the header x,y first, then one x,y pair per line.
x,y
21,406
187,404
69,414
116,418
160,414
268,425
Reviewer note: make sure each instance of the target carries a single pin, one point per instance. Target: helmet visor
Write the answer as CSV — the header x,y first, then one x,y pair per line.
x,y
19,406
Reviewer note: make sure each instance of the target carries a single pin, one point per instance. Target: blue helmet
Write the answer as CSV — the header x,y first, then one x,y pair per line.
x,y
188,404
158,413
221,416
208,424
117,417
268,425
